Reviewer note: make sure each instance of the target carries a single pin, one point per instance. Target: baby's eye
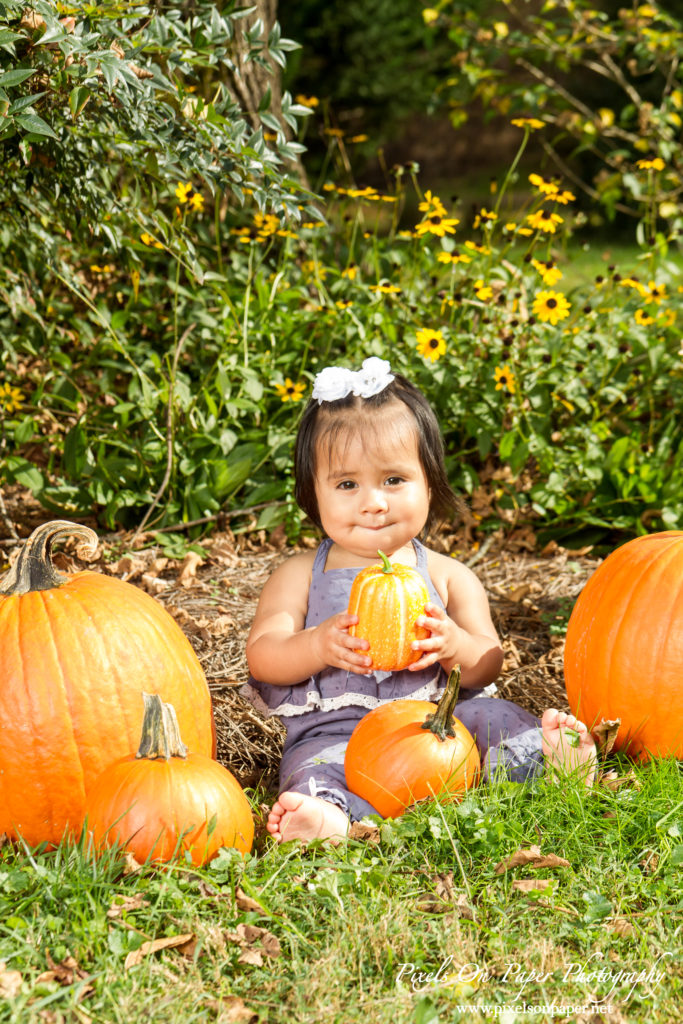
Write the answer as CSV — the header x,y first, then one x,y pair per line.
x,y
394,480
346,485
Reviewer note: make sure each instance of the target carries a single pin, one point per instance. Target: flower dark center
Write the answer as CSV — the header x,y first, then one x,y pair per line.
x,y
551,303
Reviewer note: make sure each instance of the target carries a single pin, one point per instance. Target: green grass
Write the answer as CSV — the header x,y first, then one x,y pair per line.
x,y
349,918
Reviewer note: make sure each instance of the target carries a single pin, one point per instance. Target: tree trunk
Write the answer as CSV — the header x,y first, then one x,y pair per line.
x,y
249,82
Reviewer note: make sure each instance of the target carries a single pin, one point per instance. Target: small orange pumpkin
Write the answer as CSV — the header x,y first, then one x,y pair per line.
x,y
409,750
623,655
164,801
76,651
387,600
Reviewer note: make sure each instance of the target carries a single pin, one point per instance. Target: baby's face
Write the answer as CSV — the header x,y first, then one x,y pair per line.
x,y
371,488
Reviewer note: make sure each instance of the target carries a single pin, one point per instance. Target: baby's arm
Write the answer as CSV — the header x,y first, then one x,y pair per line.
x,y
464,634
280,650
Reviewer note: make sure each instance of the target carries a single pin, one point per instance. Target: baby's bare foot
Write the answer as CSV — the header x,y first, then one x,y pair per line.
x,y
297,816
568,746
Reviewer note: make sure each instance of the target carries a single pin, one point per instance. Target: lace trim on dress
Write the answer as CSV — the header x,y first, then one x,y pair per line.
x,y
314,702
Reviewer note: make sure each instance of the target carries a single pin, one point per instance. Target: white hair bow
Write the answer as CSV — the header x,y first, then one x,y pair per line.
x,y
336,382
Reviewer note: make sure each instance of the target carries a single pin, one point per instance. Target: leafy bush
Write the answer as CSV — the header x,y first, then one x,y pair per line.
x,y
161,382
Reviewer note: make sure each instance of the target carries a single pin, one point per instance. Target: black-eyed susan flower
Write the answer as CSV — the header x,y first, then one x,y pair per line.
x,y
11,398
483,291
547,186
643,318
563,197
667,318
656,164
550,307
384,288
197,201
656,292
183,191
542,220
454,257
289,391
550,272
483,250
437,225
432,204
532,124
307,101
484,217
430,344
350,272
505,379
147,239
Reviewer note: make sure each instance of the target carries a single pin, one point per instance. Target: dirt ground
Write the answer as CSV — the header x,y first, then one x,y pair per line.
x,y
213,599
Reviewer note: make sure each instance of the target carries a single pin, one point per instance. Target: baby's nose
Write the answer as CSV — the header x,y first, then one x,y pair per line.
x,y
376,500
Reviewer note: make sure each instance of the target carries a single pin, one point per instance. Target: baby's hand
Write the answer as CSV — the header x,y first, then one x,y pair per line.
x,y
442,644
336,648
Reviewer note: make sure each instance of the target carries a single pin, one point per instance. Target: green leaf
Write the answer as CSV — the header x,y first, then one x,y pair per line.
x,y
34,124
16,77
78,98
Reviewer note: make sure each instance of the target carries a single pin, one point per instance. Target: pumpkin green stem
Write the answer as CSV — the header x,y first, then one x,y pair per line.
x,y
386,564
33,569
441,722
160,731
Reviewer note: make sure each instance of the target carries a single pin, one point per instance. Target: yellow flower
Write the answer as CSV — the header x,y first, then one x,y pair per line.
x,y
385,289
343,303
505,379
643,318
307,101
532,123
545,185
289,391
430,344
550,274
435,224
108,268
147,239
183,191
364,193
429,15
453,257
483,249
358,138
563,197
11,399
350,271
432,204
656,292
487,216
667,318
551,306
311,267
656,164
632,282
482,291
544,221
197,201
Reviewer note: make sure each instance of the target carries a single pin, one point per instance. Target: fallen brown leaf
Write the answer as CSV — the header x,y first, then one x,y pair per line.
x,y
604,734
67,972
365,833
147,948
123,904
10,982
233,1010
247,935
531,858
532,884
188,568
621,927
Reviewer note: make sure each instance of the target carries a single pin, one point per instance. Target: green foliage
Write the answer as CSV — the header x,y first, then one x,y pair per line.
x,y
605,78
155,357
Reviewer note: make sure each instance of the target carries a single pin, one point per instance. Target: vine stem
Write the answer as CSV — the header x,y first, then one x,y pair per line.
x,y
170,429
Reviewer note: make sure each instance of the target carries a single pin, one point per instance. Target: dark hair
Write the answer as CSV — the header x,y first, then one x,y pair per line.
x,y
331,419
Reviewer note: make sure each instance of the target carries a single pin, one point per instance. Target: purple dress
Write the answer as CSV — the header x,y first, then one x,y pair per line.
x,y
321,712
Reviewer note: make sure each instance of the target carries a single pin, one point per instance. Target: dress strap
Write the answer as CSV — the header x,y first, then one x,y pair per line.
x,y
321,557
420,554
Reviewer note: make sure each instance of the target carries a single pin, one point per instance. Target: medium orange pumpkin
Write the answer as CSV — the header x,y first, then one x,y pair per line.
x,y
76,652
409,750
624,649
387,600
163,801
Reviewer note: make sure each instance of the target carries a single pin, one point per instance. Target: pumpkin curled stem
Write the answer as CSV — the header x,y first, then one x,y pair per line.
x,y
160,737
441,722
33,569
387,567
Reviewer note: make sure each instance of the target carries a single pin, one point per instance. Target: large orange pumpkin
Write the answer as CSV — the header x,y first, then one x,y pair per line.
x,y
76,652
163,801
409,750
387,600
624,649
